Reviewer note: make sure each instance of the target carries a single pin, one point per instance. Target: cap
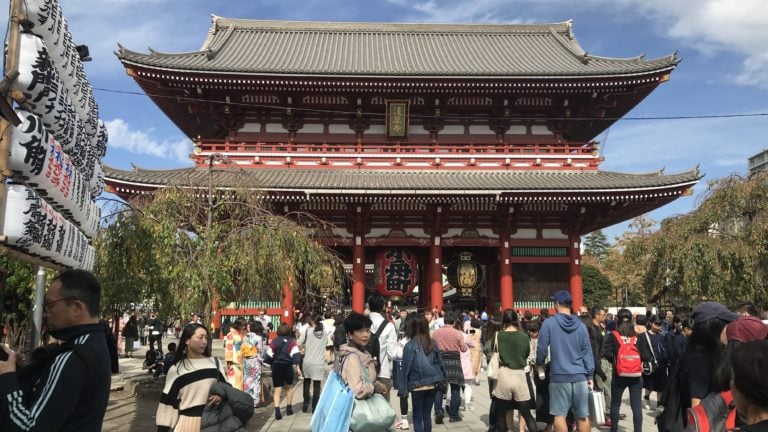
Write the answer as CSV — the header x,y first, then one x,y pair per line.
x,y
710,310
562,297
747,329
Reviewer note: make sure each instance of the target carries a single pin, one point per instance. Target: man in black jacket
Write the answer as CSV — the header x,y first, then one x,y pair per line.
x,y
65,387
603,369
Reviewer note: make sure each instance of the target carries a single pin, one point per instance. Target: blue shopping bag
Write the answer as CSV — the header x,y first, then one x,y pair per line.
x,y
334,409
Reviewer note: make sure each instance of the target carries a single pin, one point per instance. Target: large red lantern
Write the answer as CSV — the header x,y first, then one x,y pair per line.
x,y
395,270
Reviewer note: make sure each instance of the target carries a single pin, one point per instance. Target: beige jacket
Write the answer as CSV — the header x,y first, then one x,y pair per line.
x,y
352,361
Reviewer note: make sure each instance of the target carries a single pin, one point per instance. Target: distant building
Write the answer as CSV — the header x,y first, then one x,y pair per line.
x,y
759,162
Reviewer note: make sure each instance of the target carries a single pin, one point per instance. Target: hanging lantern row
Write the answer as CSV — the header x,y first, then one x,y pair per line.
x,y
395,272
466,274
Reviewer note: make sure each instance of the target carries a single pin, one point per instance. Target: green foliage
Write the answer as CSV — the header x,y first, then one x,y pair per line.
x,y
180,249
597,287
626,263
596,245
19,289
719,251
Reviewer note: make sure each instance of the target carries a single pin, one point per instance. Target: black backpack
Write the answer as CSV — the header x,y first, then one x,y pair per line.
x,y
671,419
339,336
373,348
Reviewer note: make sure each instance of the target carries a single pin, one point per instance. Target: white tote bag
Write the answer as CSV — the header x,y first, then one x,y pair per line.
x,y
596,407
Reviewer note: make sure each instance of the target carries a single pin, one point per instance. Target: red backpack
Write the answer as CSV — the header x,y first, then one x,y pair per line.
x,y
715,413
628,362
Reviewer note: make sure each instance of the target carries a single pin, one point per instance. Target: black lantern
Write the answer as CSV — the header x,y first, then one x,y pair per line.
x,y
466,275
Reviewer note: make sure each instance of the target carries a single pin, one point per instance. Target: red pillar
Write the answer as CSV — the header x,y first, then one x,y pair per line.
x,y
574,272
505,272
436,273
424,286
358,275
288,306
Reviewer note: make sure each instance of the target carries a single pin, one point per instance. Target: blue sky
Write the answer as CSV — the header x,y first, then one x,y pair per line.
x,y
723,43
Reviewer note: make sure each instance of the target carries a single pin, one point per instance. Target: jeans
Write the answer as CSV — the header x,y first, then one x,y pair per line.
x,y
156,339
453,408
422,409
635,385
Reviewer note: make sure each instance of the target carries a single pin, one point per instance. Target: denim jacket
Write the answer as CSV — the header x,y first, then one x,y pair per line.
x,y
419,369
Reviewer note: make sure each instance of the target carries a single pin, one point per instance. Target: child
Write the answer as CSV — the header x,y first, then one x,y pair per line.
x,y
169,359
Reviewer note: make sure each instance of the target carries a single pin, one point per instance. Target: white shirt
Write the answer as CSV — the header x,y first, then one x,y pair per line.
x,y
387,343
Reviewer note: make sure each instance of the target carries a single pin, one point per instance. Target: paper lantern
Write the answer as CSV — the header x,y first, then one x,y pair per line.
x,y
37,229
395,271
466,275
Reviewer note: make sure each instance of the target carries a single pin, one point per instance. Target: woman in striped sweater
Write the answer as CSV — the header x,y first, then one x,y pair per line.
x,y
188,383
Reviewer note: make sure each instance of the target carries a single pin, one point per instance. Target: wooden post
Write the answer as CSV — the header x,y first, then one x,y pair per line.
x,y
506,294
574,272
358,275
436,274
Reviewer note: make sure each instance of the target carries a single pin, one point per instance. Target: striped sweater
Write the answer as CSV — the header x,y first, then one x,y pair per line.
x,y
64,388
186,390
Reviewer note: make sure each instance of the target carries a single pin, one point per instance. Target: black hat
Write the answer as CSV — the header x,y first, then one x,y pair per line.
x,y
710,310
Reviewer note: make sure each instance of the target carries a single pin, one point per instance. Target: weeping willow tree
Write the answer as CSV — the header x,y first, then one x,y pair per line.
x,y
717,252
181,247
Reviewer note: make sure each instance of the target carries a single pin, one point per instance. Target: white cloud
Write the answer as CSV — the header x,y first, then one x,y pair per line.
x,y
135,141
713,26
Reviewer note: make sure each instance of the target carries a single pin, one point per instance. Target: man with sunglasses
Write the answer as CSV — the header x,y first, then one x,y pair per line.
x,y
65,387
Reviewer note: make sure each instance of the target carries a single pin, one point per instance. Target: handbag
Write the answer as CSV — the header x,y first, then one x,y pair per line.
x,y
649,367
372,414
493,364
596,407
334,408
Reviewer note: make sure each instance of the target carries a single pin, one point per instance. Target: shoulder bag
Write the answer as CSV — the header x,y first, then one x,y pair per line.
x,y
650,367
493,364
372,414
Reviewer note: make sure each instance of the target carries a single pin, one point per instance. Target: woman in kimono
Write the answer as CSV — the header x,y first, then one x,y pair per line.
x,y
252,348
233,353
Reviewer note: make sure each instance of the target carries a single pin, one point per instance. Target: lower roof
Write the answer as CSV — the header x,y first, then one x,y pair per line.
x,y
405,182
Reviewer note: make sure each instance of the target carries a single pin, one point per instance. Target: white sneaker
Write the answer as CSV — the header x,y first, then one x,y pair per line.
x,y
469,407
402,424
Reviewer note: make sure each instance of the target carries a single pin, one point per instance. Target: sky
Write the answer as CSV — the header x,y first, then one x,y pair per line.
x,y
723,44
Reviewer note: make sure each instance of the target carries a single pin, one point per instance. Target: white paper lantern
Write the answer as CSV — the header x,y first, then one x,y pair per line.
x,y
36,228
38,159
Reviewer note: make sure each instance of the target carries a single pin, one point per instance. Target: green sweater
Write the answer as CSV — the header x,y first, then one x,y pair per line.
x,y
514,348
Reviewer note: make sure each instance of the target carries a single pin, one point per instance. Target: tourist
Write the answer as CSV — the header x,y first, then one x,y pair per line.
x,y
195,319
233,354
640,324
704,353
265,319
253,347
339,337
314,342
676,341
422,371
603,368
466,367
747,309
387,340
625,335
131,335
492,328
283,353
62,386
512,390
566,340
451,344
749,384
141,324
668,323
156,329
397,366
656,381
188,383
476,351
357,366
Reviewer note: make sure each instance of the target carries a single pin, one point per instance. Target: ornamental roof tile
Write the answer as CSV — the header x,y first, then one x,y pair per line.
x,y
405,181
390,49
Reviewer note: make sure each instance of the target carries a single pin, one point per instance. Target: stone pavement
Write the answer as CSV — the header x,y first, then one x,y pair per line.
x,y
475,420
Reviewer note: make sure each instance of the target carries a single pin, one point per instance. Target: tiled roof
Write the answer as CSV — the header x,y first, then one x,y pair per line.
x,y
389,49
404,181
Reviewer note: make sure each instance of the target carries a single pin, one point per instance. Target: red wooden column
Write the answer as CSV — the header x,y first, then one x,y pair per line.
x,y
574,272
288,307
505,272
358,275
436,273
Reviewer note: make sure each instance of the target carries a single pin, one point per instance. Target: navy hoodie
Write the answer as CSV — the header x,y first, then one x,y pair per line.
x,y
567,339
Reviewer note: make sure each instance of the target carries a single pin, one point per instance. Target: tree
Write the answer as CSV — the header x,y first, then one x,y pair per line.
x,y
16,296
597,287
596,245
626,263
183,247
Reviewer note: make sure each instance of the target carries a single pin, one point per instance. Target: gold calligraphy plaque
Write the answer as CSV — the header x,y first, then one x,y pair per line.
x,y
397,119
